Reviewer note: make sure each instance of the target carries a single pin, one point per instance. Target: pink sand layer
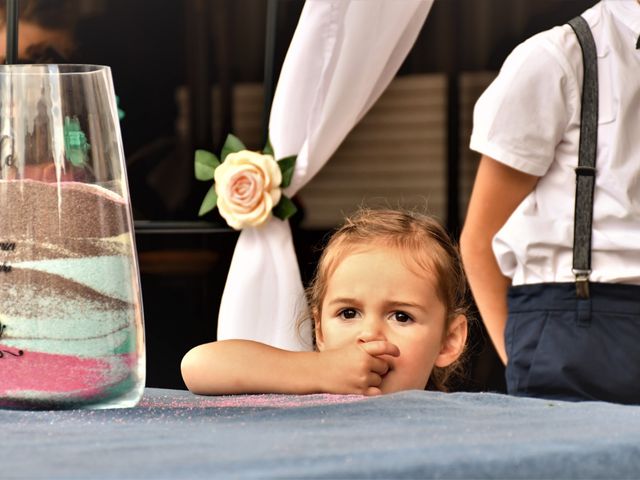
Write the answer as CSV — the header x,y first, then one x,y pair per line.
x,y
51,373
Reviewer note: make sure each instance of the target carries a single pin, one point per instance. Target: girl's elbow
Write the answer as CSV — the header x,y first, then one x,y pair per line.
x,y
191,369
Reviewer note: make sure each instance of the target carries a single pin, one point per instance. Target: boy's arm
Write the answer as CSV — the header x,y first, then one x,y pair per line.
x,y
497,191
243,366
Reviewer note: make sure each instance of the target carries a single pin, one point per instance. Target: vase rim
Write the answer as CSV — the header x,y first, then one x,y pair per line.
x,y
52,69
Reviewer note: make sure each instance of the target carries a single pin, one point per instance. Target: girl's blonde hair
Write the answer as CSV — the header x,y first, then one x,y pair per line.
x,y
426,245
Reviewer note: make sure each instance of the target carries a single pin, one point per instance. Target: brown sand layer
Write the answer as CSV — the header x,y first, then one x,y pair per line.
x,y
32,250
38,210
35,294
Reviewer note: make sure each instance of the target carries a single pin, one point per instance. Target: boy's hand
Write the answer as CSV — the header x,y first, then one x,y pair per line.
x,y
356,369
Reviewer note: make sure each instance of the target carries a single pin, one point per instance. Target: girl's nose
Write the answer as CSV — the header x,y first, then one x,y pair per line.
x,y
372,329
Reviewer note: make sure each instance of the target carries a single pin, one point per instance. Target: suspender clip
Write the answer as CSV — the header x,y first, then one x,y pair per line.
x,y
582,282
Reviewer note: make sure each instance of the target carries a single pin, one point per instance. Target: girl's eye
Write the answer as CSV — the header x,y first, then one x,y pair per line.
x,y
347,313
402,317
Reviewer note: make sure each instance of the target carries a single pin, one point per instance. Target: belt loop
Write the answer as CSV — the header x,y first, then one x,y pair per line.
x,y
583,312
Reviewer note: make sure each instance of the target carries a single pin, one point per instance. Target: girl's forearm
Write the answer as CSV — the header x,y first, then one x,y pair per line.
x,y
243,366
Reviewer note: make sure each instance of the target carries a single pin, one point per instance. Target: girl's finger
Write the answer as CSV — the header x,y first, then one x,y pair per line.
x,y
374,380
380,347
379,366
373,391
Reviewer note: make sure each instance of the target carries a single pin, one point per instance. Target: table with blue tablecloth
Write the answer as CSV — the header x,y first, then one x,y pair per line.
x,y
414,434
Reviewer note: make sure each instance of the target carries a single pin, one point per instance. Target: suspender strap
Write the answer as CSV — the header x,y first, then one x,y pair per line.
x,y
585,173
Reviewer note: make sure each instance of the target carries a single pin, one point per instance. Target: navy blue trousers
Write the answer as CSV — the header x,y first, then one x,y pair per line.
x,y
566,348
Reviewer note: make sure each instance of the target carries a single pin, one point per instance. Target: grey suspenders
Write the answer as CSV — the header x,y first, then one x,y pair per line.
x,y
586,170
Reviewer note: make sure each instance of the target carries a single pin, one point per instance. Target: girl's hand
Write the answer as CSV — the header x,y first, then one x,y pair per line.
x,y
356,369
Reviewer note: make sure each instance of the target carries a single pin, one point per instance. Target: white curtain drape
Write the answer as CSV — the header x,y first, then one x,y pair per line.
x,y
343,55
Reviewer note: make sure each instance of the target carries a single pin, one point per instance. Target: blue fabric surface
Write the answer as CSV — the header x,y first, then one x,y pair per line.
x,y
174,434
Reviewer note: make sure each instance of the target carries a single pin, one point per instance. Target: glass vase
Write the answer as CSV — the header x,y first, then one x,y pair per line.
x,y
71,321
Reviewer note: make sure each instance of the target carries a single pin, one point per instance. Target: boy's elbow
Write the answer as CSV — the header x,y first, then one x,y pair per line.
x,y
467,244
475,239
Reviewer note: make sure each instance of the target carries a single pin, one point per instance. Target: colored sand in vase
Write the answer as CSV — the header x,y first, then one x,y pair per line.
x,y
70,313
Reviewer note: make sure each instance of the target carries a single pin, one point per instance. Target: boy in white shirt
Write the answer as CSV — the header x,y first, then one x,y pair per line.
x,y
571,333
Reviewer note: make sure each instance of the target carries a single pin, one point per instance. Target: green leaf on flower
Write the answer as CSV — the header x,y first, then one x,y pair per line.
x,y
268,149
284,209
287,166
210,201
231,145
205,164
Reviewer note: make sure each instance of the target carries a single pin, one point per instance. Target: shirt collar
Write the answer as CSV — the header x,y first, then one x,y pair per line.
x,y
628,13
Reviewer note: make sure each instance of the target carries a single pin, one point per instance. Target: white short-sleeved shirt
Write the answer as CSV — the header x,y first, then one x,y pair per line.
x,y
529,119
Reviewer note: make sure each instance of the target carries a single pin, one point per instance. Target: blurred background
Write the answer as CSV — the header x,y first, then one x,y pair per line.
x,y
187,72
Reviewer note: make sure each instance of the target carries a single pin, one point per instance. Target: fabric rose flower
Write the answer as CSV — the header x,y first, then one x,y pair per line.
x,y
248,186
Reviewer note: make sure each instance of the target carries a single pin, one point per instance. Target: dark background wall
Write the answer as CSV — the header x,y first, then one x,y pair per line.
x,y
154,48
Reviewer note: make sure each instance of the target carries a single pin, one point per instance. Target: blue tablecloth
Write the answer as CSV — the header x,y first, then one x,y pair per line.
x,y
174,434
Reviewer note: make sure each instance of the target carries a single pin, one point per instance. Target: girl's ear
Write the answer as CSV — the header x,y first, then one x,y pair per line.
x,y
453,343
318,329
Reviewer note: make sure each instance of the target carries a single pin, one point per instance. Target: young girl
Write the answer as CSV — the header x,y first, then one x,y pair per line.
x,y
388,306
